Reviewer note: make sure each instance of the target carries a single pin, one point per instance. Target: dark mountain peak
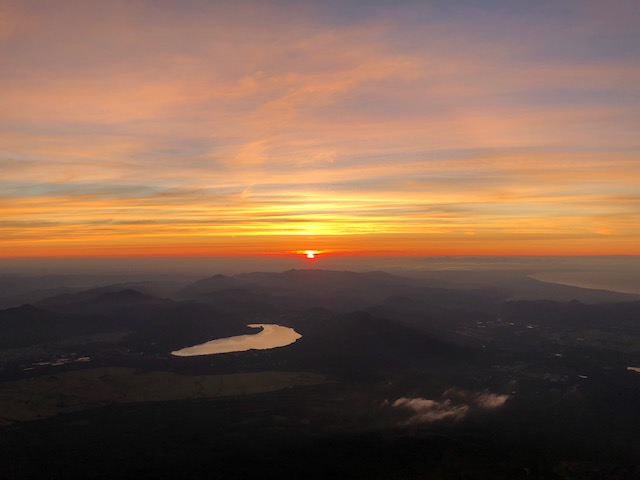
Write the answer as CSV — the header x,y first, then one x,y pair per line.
x,y
208,285
22,310
310,274
346,275
26,306
295,272
126,295
66,299
220,276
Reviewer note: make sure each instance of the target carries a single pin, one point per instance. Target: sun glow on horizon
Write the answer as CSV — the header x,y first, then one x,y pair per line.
x,y
391,132
310,254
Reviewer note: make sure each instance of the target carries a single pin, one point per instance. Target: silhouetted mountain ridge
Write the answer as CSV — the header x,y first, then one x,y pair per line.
x,y
30,325
573,314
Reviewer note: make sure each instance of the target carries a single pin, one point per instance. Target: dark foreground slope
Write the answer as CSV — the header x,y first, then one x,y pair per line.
x,y
392,378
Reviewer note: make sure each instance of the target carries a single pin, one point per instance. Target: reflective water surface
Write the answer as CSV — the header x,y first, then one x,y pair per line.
x,y
271,336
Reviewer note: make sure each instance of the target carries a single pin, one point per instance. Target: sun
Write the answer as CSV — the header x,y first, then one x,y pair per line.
x,y
310,254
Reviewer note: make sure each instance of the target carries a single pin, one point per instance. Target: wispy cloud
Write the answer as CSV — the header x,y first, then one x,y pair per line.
x,y
410,120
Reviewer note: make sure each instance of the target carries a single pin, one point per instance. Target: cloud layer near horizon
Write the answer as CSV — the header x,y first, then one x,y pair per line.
x,y
215,127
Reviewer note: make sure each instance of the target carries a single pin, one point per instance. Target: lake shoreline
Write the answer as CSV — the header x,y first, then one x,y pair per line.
x,y
270,336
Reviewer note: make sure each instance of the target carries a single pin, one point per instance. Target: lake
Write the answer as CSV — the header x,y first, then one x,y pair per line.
x,y
271,336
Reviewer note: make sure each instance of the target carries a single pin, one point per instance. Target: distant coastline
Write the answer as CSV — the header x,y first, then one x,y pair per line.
x,y
587,280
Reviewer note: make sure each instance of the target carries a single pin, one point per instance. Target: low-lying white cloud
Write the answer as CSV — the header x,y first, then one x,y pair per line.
x,y
490,400
457,405
427,411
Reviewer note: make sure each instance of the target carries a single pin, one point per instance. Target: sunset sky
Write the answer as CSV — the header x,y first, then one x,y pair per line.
x,y
132,127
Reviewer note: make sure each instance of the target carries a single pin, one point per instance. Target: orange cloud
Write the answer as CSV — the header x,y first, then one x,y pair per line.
x,y
231,128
